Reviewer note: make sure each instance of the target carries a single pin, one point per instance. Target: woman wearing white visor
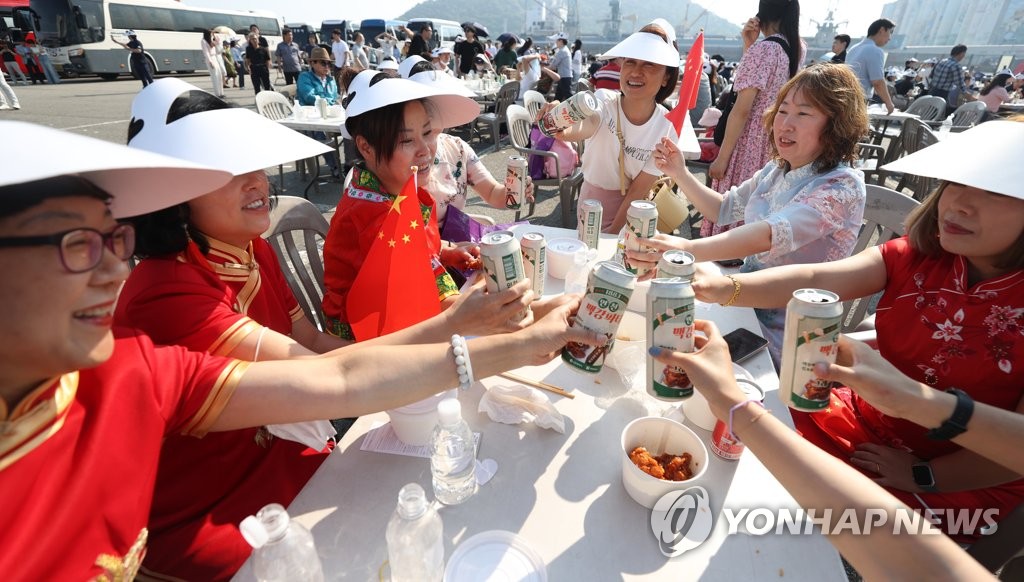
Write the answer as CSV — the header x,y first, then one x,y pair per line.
x,y
618,169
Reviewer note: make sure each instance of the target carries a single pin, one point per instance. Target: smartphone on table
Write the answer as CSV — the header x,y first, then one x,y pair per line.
x,y
743,344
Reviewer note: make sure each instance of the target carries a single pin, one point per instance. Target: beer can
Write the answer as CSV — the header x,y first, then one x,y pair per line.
x,y
641,223
535,260
515,182
502,259
568,113
589,229
676,264
723,443
670,314
608,290
811,335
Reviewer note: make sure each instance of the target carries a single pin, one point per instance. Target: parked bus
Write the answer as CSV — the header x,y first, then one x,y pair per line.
x,y
300,32
347,28
445,31
169,30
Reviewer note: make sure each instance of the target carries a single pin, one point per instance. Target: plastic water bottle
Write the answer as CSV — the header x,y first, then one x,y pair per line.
x,y
579,273
452,455
414,536
283,549
947,124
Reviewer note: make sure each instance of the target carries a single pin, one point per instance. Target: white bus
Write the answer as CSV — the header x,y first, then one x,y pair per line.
x,y
170,32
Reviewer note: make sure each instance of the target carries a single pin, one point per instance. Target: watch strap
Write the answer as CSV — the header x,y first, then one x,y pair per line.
x,y
957,423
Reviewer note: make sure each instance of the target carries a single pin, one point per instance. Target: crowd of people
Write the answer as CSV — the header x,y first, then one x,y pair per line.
x,y
109,375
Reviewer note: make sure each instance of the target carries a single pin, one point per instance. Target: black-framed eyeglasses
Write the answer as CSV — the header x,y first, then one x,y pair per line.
x,y
81,249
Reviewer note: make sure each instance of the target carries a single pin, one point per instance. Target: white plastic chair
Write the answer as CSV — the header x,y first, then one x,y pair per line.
x,y
533,101
297,231
519,123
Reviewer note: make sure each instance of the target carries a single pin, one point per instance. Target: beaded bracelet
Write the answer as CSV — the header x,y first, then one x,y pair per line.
x,y
735,291
752,421
462,364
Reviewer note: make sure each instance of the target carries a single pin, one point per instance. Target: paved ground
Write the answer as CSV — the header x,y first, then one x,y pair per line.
x,y
102,108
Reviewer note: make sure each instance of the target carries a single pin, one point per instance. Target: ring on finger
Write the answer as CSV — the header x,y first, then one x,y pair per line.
x,y
878,469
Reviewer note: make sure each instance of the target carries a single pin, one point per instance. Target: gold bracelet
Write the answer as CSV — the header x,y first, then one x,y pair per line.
x,y
735,291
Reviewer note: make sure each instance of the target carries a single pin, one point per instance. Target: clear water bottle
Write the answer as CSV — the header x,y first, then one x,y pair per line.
x,y
452,455
947,124
414,536
283,549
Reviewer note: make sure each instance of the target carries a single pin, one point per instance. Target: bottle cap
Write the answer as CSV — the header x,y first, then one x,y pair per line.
x,y
449,411
253,531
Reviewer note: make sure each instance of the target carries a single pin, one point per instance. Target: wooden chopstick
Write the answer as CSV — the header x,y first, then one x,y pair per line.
x,y
536,384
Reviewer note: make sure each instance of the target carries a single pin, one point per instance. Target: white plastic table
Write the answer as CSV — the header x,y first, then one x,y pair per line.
x,y
563,493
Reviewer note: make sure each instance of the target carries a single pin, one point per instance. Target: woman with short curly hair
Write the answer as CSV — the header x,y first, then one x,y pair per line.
x,y
805,205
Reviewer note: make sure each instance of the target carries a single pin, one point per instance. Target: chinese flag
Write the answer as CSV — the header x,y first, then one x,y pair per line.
x,y
691,83
395,287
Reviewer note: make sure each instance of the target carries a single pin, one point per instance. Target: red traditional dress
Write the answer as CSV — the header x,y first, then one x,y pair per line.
x,y
357,221
938,330
78,457
207,486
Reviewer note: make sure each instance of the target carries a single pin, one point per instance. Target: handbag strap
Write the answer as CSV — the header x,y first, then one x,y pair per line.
x,y
622,146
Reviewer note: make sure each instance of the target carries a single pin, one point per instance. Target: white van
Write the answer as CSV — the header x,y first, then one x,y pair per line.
x,y
445,31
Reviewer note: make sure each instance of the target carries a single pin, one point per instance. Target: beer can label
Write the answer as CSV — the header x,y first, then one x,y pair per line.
x,y
590,223
601,311
724,444
641,223
515,182
568,113
670,326
535,262
817,340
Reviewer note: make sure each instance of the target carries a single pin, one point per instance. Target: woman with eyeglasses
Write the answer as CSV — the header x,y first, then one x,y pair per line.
x,y
86,409
209,282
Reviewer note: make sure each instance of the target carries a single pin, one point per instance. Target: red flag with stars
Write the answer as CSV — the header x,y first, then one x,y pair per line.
x,y
691,83
395,286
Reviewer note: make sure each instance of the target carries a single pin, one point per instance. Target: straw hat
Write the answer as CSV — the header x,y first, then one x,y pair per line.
x,y
320,54
366,93
645,46
970,158
196,137
140,182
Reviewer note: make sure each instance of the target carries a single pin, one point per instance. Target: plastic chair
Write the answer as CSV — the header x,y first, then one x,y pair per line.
x,y
928,107
918,137
289,92
967,116
519,123
885,212
297,231
533,101
507,95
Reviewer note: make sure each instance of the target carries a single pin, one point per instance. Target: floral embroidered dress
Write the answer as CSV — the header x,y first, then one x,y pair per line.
x,y
456,168
356,222
765,67
814,218
938,330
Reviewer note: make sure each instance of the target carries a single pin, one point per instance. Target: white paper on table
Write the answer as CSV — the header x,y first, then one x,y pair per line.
x,y
381,438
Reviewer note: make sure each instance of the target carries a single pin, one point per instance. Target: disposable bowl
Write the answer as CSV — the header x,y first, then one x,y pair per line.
x,y
414,423
659,435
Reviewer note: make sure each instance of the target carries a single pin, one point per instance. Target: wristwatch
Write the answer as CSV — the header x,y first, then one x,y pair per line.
x,y
923,476
957,422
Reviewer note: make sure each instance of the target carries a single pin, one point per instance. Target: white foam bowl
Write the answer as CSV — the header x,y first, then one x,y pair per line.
x,y
632,332
560,255
659,435
414,423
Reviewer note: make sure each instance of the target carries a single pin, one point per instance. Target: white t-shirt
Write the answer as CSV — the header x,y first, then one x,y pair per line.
x,y
340,50
601,156
577,63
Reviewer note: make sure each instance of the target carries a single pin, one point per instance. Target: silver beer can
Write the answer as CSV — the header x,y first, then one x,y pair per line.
x,y
608,290
677,264
641,223
670,315
589,229
535,260
502,260
813,318
515,182
568,113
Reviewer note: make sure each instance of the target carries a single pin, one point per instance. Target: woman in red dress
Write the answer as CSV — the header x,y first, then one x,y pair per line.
x,y
951,316
209,282
85,411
